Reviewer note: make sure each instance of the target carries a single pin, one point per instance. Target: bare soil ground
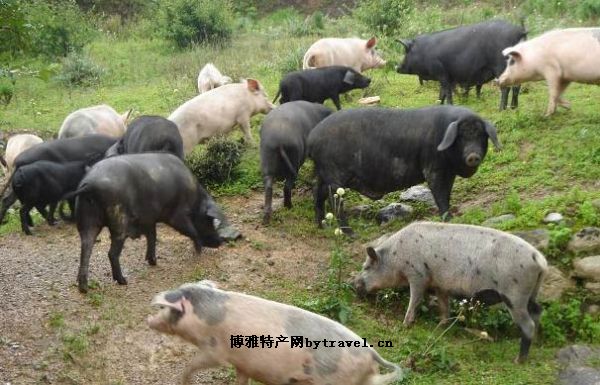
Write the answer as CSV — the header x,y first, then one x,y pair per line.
x,y
52,334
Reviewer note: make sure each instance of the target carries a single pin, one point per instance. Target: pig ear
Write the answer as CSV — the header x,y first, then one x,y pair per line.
x,y
512,52
126,115
349,77
160,300
449,137
406,43
372,42
372,254
490,130
253,85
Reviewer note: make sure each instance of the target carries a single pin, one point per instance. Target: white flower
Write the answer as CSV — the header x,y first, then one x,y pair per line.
x,y
336,196
175,90
338,232
484,335
329,216
461,318
340,191
324,222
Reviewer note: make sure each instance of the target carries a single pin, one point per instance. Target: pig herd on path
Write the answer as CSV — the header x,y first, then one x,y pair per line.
x,y
130,177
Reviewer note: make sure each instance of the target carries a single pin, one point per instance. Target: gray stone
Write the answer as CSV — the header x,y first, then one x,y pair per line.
x,y
554,285
574,360
596,204
594,287
593,309
418,193
538,238
585,240
499,219
394,211
587,268
579,376
360,211
553,218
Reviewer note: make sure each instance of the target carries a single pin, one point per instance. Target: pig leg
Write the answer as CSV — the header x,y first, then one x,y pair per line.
x,y
8,199
184,225
441,188
116,246
287,192
336,100
25,208
203,360
514,102
151,245
268,209
478,90
562,102
504,97
50,218
245,124
522,318
88,235
320,195
417,290
535,311
554,91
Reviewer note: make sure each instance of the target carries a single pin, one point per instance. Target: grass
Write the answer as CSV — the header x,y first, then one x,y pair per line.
x,y
547,164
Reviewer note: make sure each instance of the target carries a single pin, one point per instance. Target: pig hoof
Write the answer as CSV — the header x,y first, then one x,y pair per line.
x,y
122,281
152,261
520,360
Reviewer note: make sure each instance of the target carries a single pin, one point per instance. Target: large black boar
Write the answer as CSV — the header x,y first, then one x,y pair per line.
x,y
129,194
81,148
44,183
318,84
467,56
283,137
149,134
376,151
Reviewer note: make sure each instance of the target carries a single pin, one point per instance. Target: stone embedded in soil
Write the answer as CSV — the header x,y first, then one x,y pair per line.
x,y
538,238
587,268
394,211
553,218
555,284
418,193
499,219
574,360
585,240
360,211
594,287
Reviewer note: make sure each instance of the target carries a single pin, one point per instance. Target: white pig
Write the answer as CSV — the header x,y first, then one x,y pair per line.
x,y
560,57
219,110
17,144
101,119
212,319
210,77
459,260
355,53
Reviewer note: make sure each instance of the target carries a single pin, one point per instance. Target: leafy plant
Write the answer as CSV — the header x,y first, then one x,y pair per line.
x,y
588,214
559,238
385,16
79,70
217,162
566,321
189,22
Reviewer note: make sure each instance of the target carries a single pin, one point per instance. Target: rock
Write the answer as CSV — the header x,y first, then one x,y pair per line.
x,y
360,211
538,238
555,284
499,219
553,218
593,309
579,376
587,268
594,287
418,193
596,204
574,359
394,211
586,240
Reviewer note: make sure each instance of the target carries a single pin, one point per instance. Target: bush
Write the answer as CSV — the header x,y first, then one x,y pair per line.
x,y
188,22
562,322
216,163
125,9
385,16
7,85
79,70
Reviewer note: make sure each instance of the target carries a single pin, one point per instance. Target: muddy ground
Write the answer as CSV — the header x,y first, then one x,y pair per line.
x,y
52,334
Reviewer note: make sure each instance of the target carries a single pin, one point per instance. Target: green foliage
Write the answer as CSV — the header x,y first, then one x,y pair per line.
x,y
79,70
124,9
385,16
493,319
560,235
562,322
588,9
292,61
588,214
7,85
15,29
583,9
217,162
188,22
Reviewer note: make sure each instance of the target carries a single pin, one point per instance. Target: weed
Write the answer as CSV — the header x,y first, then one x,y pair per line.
x,y
79,70
57,320
217,162
566,321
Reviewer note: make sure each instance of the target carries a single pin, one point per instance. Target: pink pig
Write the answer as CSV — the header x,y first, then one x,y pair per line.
x,y
355,53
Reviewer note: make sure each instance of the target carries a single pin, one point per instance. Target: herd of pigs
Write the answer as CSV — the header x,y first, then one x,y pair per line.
x,y
129,178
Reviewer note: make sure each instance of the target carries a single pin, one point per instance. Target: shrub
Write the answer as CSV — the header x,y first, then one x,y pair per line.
x,y
566,321
79,70
188,22
385,16
125,9
216,163
7,85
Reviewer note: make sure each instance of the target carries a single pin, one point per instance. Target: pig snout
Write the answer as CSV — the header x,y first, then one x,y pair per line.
x,y
360,287
158,323
473,159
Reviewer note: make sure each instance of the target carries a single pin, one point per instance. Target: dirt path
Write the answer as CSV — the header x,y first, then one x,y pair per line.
x,y
51,334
